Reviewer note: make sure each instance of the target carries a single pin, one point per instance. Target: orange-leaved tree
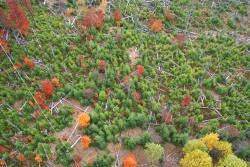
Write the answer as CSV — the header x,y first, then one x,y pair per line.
x,y
20,157
28,62
2,162
155,25
55,82
85,141
84,120
130,161
38,159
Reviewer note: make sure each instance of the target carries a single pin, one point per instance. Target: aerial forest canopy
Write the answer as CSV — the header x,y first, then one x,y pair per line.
x,y
124,83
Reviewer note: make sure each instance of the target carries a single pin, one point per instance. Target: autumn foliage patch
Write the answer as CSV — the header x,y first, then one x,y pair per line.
x,y
179,39
85,141
117,15
130,161
40,100
17,17
14,16
186,101
4,45
47,87
102,66
38,159
93,18
3,42
169,16
28,62
155,25
84,120
136,96
139,70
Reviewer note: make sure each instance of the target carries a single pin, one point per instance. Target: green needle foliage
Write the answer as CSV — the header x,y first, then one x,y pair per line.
x,y
153,152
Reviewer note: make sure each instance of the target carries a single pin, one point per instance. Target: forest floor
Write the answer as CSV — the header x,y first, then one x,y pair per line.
x,y
178,65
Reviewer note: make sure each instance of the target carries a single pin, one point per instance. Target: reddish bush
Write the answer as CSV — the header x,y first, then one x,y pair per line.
x,y
17,66
77,160
17,17
28,62
179,39
2,162
93,18
20,157
136,96
3,149
169,16
155,25
117,15
126,80
5,19
139,70
89,37
2,32
167,117
102,66
39,97
186,101
47,87
4,46
3,43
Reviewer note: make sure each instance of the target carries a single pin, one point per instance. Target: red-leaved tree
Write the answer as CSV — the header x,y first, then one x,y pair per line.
x,y
17,17
186,101
93,18
139,70
47,88
40,100
117,15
